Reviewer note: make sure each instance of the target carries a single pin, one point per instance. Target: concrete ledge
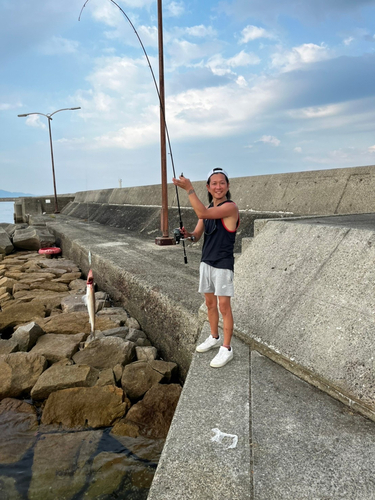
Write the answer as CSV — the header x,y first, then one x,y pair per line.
x,y
192,466
304,297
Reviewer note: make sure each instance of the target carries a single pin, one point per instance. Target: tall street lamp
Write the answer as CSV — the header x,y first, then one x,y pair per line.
x,y
49,117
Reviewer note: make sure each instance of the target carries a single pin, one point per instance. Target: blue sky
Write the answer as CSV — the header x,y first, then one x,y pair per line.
x,y
254,86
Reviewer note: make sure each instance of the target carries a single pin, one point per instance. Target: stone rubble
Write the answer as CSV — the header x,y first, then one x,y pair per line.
x,y
50,369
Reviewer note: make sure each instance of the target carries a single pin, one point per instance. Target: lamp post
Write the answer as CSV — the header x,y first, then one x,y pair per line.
x,y
49,117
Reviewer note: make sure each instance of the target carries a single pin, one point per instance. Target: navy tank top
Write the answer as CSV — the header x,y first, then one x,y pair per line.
x,y
218,244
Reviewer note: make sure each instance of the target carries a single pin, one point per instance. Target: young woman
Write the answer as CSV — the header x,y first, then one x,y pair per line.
x,y
218,222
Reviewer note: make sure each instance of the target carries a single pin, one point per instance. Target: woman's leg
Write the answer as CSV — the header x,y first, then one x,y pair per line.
x,y
226,312
212,313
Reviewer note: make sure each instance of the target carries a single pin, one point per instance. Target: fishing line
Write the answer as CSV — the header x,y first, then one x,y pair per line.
x,y
161,107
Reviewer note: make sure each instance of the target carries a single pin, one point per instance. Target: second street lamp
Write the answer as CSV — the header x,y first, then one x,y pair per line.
x,y
49,117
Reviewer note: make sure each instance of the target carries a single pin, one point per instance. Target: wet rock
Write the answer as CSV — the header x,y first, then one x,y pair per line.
x,y
147,353
109,471
26,336
60,376
61,464
85,406
106,353
8,489
140,376
19,372
76,322
18,423
153,414
54,346
6,246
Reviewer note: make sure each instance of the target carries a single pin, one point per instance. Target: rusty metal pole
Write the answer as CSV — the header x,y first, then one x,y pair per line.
x,y
164,239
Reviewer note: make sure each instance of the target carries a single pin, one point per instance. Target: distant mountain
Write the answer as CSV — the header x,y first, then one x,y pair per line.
x,y
7,194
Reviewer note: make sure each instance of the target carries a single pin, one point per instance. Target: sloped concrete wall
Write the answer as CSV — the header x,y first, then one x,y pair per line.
x,y
320,192
305,298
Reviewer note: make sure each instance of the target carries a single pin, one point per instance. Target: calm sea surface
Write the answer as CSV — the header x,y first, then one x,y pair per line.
x,y
6,211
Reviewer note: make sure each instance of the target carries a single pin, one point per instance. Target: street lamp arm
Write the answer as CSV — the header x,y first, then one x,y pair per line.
x,y
28,114
63,109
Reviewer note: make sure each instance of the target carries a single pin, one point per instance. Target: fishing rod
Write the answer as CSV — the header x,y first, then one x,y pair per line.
x,y
162,110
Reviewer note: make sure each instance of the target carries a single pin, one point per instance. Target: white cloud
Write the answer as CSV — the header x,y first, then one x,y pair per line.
x,y
307,53
348,40
251,33
5,106
298,149
371,149
221,66
316,111
200,31
174,9
270,139
35,121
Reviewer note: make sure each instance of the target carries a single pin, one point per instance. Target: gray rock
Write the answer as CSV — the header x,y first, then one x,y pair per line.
x,y
117,314
147,353
55,347
33,238
106,353
26,336
106,377
134,335
62,474
18,423
6,246
73,303
61,376
85,406
8,346
133,323
121,332
8,486
19,372
78,286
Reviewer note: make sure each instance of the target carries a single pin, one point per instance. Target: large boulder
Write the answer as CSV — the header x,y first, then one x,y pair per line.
x,y
18,313
18,423
75,322
26,336
140,376
62,464
33,238
8,346
152,415
85,406
19,372
6,246
105,353
55,347
64,376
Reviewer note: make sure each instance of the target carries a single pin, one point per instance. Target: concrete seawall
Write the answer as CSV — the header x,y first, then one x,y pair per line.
x,y
304,299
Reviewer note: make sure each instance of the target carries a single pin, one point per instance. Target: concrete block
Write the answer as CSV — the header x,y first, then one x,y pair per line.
x,y
304,297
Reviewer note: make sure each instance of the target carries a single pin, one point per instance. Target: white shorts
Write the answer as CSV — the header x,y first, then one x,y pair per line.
x,y
216,281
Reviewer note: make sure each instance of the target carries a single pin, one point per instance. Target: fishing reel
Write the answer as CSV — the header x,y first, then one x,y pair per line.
x,y
179,237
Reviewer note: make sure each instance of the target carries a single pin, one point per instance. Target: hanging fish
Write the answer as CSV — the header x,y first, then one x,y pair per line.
x,y
89,299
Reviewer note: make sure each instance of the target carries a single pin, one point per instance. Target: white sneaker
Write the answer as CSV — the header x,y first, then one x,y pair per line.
x,y
209,343
222,357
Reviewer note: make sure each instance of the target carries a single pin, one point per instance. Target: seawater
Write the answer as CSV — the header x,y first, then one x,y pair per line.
x,y
6,211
